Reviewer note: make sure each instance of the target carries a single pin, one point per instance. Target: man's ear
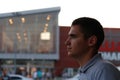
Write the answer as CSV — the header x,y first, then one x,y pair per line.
x,y
92,40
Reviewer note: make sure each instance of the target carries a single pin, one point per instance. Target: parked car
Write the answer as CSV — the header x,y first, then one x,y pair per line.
x,y
76,77
18,77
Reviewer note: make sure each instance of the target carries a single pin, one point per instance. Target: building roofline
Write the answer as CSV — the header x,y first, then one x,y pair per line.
x,y
29,12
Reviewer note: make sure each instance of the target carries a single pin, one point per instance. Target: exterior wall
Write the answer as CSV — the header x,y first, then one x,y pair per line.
x,y
110,48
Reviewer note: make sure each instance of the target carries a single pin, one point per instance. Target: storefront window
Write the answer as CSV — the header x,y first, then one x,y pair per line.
x,y
28,34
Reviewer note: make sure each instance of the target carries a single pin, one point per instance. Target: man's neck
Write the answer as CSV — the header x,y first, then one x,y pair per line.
x,y
85,59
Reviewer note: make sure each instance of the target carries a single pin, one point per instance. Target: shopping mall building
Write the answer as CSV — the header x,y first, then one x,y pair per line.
x,y
33,39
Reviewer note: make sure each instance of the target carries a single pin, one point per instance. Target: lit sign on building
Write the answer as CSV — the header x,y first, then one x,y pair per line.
x,y
110,49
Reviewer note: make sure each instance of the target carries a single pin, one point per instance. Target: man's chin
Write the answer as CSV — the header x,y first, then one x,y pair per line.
x,y
70,54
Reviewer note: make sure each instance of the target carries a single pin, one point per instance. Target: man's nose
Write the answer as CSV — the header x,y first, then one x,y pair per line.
x,y
67,42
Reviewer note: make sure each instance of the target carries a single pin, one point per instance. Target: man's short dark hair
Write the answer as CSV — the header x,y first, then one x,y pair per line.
x,y
89,27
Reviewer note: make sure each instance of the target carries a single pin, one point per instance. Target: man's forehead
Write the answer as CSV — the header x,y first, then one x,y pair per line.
x,y
74,30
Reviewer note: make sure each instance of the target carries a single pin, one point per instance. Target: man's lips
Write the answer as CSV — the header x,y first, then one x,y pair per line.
x,y
69,48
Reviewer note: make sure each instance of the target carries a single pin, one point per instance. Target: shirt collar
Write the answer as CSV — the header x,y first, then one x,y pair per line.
x,y
96,58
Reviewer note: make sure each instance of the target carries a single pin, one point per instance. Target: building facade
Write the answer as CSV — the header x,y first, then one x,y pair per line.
x,y
29,39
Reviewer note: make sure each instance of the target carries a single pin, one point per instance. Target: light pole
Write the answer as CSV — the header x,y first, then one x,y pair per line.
x,y
15,55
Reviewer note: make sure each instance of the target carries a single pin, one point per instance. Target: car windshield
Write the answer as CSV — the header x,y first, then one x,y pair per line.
x,y
15,78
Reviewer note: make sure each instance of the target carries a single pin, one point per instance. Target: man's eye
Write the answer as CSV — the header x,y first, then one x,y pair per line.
x,y
73,36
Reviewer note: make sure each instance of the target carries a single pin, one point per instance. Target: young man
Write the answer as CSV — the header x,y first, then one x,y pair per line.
x,y
84,39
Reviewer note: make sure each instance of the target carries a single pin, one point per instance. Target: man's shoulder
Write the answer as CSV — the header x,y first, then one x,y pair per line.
x,y
106,66
105,63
